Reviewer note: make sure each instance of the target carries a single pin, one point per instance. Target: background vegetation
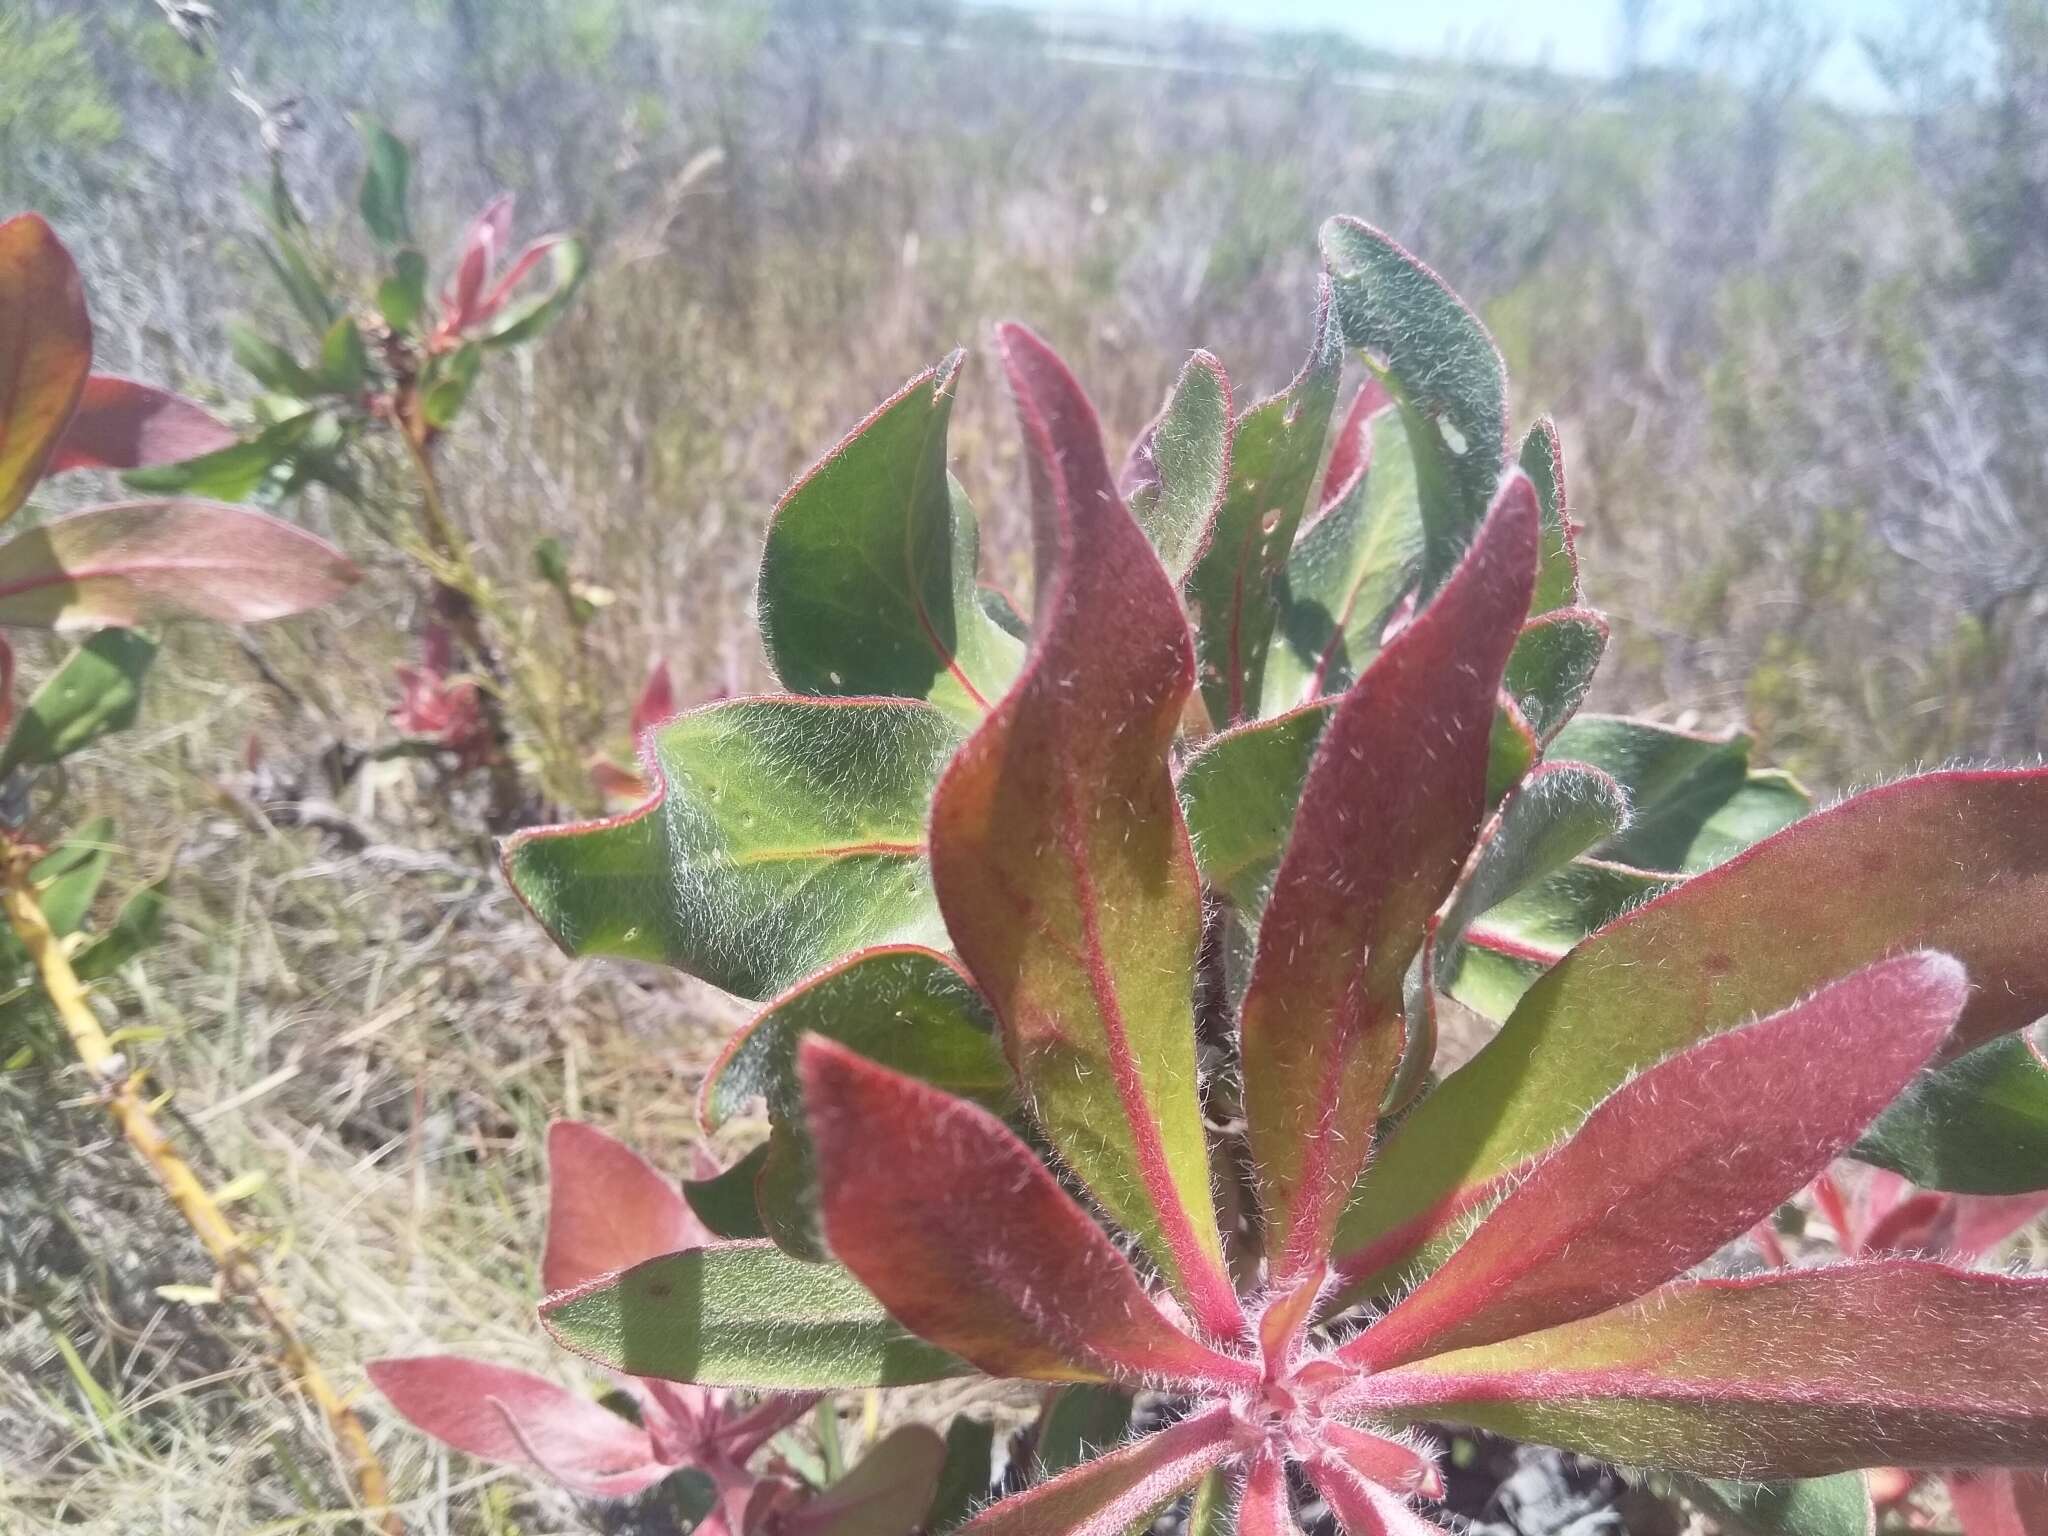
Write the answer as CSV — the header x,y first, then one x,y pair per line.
x,y
1799,358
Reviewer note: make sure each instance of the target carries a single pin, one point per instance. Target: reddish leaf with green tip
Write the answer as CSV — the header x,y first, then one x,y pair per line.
x,y
954,1226
607,1208
1060,859
45,351
868,571
1794,1373
1950,861
785,832
121,424
518,1419
1390,809
1178,471
1108,1495
1679,1161
136,562
1276,451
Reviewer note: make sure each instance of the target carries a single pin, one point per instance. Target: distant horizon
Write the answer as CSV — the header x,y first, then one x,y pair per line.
x,y
1573,37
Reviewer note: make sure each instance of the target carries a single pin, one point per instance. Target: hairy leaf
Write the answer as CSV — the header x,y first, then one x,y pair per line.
x,y
1350,569
97,690
1553,665
957,1228
1978,1126
1794,1373
725,1202
785,832
1276,450
1240,791
742,1315
1060,858
1444,373
1950,861
45,351
1081,1421
2000,1503
1390,809
1263,1508
1108,1495
1679,1161
868,575
1557,579
1179,469
133,562
964,1479
121,424
607,1209
1816,1506
1506,949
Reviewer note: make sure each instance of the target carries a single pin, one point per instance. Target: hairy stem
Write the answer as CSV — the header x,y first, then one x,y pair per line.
x,y
182,1186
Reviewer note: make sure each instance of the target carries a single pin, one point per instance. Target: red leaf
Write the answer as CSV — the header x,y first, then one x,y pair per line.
x,y
955,1227
45,351
1680,1160
2000,1503
121,424
1264,1510
1388,1462
1792,1373
1390,808
502,1415
1362,1506
1351,450
137,561
1105,1496
607,1209
1061,862
483,246
657,699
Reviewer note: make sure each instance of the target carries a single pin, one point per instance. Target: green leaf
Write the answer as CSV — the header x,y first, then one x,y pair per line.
x,y
402,295
911,1010
289,260
69,877
1080,1423
1557,580
742,1315
1180,468
452,378
1346,575
134,930
965,1479
1951,861
516,323
387,180
1553,665
1444,373
1559,811
344,364
725,1202
270,364
1276,453
787,832
1814,1506
96,691
1239,792
1978,1126
232,474
868,576
1507,948
888,1493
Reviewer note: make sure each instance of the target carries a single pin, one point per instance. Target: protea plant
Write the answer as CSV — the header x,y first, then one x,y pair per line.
x,y
1102,954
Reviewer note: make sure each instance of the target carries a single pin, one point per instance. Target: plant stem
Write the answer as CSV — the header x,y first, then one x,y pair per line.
x,y
131,1112
457,598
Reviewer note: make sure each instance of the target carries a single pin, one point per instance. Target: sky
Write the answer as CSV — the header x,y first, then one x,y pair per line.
x,y
1575,36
